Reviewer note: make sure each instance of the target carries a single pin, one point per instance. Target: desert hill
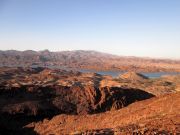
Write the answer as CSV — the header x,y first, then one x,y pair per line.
x,y
86,60
133,76
29,96
158,115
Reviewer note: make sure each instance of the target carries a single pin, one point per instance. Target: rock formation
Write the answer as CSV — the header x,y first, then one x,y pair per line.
x,y
133,76
158,115
31,95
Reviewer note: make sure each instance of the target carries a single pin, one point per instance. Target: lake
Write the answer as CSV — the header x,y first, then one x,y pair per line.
x,y
113,73
117,73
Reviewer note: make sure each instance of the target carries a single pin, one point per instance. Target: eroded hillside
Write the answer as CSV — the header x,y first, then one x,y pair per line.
x,y
71,99
158,115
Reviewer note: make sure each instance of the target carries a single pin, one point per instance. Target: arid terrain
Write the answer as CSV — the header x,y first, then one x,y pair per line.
x,y
55,101
89,67
86,60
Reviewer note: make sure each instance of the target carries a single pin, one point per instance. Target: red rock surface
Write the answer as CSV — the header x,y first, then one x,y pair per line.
x,y
133,76
160,115
30,95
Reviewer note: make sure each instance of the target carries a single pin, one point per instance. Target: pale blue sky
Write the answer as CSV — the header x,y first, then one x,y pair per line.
x,y
124,27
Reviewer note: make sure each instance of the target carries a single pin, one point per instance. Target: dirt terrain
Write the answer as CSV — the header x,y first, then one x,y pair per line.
x,y
158,115
54,101
86,60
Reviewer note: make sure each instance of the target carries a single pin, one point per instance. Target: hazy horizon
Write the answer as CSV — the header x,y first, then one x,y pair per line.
x,y
148,57
125,28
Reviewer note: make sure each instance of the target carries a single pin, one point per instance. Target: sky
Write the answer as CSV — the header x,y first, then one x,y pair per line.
x,y
149,28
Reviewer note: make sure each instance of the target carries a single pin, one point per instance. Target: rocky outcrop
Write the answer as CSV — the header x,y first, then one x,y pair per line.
x,y
28,95
159,115
133,76
21,106
51,100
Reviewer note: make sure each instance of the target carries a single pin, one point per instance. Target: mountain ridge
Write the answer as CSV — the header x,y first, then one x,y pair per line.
x,y
87,59
116,55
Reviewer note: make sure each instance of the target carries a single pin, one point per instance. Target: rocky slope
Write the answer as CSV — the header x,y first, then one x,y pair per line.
x,y
158,115
86,60
29,95
32,94
133,76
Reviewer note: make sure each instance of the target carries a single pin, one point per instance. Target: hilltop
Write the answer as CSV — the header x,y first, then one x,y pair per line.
x,y
158,115
133,76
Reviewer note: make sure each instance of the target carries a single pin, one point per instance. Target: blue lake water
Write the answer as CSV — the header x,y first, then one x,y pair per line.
x,y
117,73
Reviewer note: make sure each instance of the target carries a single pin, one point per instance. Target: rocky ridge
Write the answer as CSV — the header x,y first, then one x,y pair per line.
x,y
29,95
159,115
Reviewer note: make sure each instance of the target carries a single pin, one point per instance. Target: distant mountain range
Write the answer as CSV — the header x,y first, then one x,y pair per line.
x,y
86,60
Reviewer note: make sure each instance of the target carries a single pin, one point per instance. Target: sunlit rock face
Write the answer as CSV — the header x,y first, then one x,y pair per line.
x,y
28,95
